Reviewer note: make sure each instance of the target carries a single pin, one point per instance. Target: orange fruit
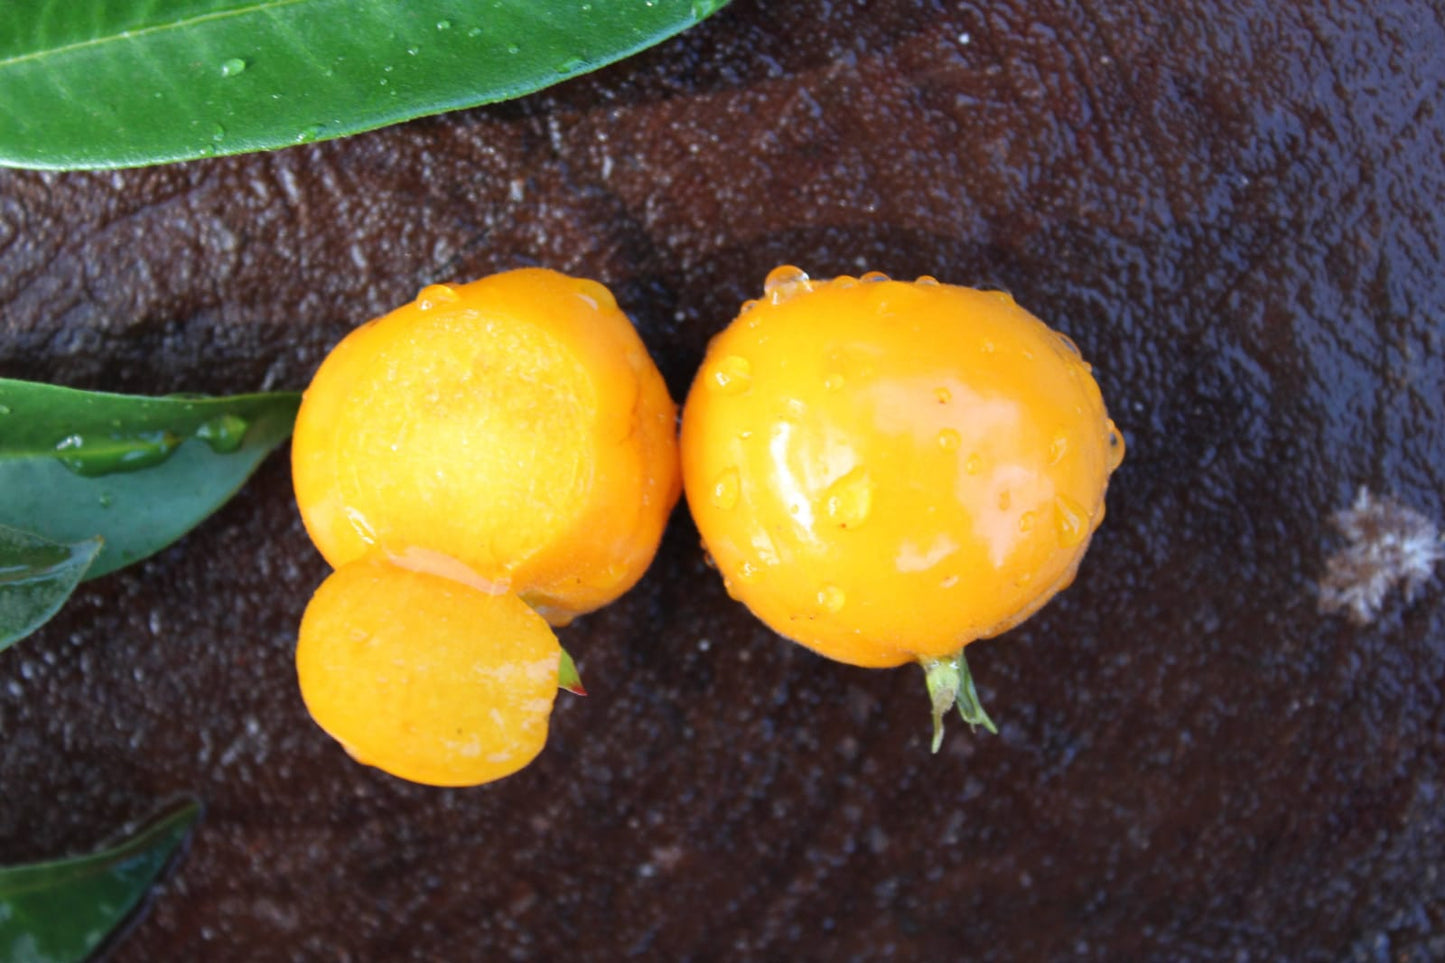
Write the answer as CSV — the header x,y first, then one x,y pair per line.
x,y
515,425
427,678
492,457
886,471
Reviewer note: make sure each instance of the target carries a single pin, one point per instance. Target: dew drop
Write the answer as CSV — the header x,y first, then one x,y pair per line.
x,y
1027,521
233,67
224,433
309,133
832,598
987,346
91,457
1116,446
748,306
434,295
474,31
785,282
725,489
218,133
571,65
849,500
834,382
949,582
949,440
1069,344
845,281
926,281
973,464
732,375
444,25
873,277
106,499
1070,521
513,49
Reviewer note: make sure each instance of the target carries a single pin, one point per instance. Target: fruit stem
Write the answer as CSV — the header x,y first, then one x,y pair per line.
x,y
567,676
950,683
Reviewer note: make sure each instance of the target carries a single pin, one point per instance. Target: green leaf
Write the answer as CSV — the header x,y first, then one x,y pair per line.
x,y
36,577
139,472
60,912
91,84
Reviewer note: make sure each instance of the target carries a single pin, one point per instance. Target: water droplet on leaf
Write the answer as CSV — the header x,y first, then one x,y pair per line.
x,y
233,67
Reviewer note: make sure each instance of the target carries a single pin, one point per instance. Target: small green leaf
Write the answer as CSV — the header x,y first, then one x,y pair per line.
x,y
950,684
61,911
139,472
36,577
567,676
92,84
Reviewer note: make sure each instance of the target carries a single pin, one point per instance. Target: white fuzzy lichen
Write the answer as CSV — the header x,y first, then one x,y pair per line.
x,y
1388,544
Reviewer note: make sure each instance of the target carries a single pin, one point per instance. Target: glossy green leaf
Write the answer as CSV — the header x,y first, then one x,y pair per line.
x,y
139,472
36,577
61,911
86,83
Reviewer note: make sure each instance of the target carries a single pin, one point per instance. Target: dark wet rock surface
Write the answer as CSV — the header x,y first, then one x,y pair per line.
x,y
1237,210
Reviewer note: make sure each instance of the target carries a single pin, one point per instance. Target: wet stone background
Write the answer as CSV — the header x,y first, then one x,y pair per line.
x,y
1236,209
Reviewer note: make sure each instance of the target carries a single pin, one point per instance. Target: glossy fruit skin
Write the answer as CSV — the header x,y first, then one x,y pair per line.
x,y
515,425
886,471
427,678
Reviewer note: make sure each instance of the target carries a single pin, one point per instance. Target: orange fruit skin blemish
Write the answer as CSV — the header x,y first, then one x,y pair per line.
x,y
488,459
886,471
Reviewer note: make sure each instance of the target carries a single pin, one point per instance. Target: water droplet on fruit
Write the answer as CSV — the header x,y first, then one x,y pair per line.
x,y
224,433
748,305
873,277
926,281
849,500
943,395
1116,446
1005,499
1070,521
845,281
434,295
1058,448
832,598
725,489
732,375
1069,344
233,67
973,464
987,346
834,382
1027,521
783,283
949,582
949,440
747,572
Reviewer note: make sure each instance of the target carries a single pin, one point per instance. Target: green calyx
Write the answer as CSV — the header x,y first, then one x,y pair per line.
x,y
950,684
